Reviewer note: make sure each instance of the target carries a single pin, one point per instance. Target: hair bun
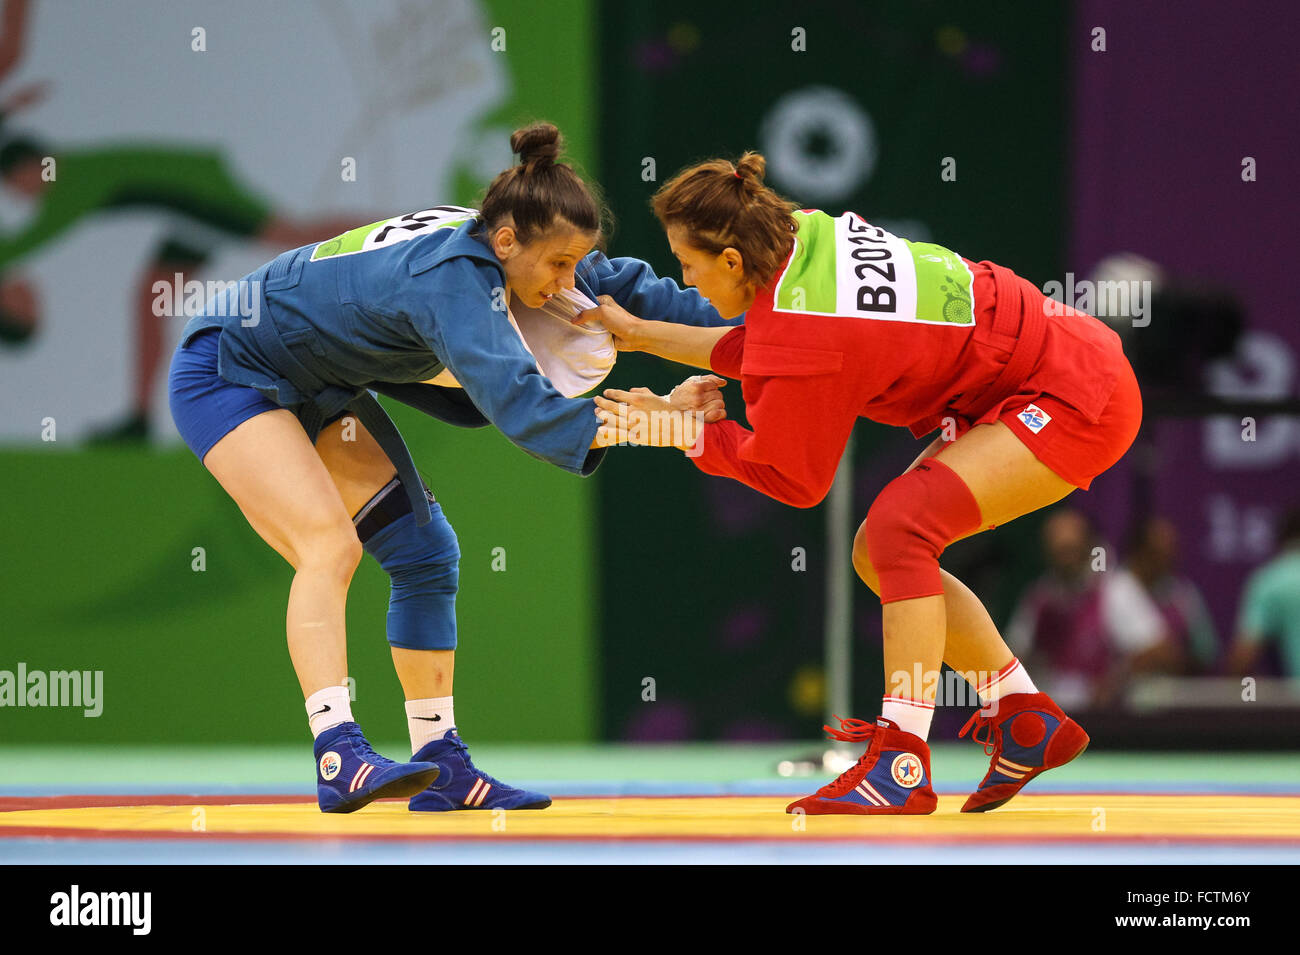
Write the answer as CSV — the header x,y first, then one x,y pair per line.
x,y
538,143
751,167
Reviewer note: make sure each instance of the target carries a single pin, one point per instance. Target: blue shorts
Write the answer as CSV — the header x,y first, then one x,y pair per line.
x,y
204,405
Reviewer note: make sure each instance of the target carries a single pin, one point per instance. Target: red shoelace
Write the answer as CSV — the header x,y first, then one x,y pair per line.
x,y
982,722
852,731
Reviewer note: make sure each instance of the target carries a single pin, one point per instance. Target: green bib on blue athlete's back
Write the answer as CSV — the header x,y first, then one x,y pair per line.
x,y
385,232
851,268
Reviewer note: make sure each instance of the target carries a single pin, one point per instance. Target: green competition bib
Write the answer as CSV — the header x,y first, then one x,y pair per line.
x,y
387,232
850,268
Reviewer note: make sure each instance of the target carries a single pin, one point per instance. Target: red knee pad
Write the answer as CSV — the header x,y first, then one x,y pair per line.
x,y
915,517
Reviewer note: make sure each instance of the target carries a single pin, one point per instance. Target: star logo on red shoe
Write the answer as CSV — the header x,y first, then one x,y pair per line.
x,y
906,770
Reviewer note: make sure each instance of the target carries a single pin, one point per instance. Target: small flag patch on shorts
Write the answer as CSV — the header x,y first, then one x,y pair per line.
x,y
1034,418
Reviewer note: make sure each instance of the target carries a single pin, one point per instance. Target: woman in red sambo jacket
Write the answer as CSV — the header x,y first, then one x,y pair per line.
x,y
844,320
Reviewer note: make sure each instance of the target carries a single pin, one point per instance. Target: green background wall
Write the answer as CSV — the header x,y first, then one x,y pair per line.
x,y
95,556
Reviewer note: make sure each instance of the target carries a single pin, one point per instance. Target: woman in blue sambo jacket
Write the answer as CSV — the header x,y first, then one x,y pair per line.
x,y
452,311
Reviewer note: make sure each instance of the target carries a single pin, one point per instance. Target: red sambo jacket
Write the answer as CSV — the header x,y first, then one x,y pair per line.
x,y
806,377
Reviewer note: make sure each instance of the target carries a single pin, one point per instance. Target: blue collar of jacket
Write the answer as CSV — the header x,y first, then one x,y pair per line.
x,y
461,243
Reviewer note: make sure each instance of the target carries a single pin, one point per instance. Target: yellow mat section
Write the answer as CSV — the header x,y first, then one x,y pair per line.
x,y
1028,817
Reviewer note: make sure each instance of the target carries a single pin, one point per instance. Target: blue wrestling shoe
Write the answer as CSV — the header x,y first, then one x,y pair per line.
x,y
461,786
349,774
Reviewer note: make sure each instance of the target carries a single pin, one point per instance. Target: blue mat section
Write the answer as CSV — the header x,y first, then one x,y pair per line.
x,y
216,852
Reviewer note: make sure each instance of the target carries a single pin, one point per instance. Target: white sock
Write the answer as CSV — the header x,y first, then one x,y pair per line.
x,y
427,720
1012,678
912,716
328,708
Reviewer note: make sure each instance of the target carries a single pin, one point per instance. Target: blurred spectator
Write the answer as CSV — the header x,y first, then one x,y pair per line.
x,y
1084,630
1056,627
1146,594
1270,607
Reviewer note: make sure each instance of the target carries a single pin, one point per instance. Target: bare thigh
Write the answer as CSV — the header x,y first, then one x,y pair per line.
x,y
272,471
1003,475
356,463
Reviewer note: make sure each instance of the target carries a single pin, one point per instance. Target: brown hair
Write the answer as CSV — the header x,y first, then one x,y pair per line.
x,y
540,191
721,205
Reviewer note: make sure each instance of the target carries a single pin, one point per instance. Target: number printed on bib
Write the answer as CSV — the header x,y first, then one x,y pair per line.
x,y
387,232
848,267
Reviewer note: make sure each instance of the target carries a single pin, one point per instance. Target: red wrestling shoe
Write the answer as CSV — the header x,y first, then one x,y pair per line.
x,y
1026,734
891,778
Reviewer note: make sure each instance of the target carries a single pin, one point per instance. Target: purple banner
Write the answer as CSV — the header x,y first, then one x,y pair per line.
x,y
1184,152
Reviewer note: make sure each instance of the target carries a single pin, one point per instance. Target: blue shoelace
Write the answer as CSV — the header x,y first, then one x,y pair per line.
x,y
464,753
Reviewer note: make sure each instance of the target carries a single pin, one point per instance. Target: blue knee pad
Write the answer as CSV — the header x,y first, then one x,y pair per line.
x,y
423,564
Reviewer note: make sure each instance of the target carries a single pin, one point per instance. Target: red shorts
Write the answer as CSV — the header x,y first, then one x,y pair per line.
x,y
1065,440
1058,433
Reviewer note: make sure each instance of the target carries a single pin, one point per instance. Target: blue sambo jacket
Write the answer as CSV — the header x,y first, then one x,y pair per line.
x,y
390,305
